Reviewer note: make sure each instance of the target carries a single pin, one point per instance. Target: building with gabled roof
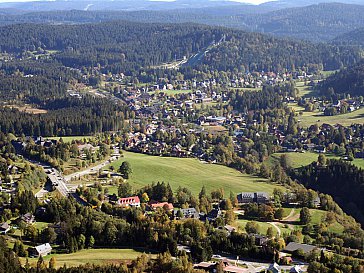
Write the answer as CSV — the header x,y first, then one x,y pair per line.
x,y
132,201
4,228
41,250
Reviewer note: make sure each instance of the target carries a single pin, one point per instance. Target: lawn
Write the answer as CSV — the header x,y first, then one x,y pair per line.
x,y
310,118
297,160
305,90
263,226
172,92
190,173
318,216
67,139
91,256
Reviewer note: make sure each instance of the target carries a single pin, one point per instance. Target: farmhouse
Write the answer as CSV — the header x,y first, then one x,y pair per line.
x,y
41,250
4,228
28,218
132,201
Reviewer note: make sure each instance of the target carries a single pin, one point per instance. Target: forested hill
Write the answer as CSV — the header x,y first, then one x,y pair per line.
x,y
348,80
353,38
341,180
321,22
128,46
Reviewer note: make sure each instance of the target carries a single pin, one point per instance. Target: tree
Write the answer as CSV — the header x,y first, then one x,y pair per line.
x,y
278,214
48,235
145,197
270,233
305,216
52,263
125,190
125,169
252,227
321,160
90,242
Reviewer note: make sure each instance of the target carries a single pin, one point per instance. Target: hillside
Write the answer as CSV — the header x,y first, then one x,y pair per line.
x,y
190,173
352,38
348,80
128,46
309,20
320,22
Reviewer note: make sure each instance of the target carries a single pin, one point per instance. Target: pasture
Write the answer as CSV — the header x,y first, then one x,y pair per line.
x,y
190,173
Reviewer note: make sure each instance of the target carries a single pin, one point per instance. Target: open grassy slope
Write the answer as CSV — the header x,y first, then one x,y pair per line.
x,y
296,160
190,173
91,256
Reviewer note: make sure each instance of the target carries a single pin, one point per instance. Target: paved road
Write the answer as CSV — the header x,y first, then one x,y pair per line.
x,y
94,169
55,177
60,181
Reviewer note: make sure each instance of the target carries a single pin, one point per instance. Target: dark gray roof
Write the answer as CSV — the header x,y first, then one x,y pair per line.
x,y
292,246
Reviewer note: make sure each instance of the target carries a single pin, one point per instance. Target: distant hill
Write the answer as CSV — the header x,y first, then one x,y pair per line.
x,y
133,5
129,46
349,80
322,22
352,38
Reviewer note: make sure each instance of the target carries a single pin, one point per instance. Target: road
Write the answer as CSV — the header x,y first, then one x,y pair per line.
x,y
276,227
94,169
61,182
258,266
54,176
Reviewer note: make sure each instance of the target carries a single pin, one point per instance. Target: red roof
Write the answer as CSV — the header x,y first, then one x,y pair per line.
x,y
161,205
133,200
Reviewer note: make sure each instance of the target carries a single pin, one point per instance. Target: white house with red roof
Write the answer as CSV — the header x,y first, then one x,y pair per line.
x,y
132,201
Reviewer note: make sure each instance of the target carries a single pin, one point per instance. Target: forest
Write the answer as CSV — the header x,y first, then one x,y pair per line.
x,y
340,179
346,81
126,47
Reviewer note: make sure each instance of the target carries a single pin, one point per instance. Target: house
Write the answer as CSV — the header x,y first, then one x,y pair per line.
x,y
4,228
164,205
206,266
28,218
274,268
229,229
292,247
296,269
41,250
132,201
187,213
260,240
213,214
253,197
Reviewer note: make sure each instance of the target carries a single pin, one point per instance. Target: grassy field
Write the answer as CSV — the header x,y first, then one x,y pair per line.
x,y
190,173
91,256
67,139
318,216
309,118
173,92
305,90
296,160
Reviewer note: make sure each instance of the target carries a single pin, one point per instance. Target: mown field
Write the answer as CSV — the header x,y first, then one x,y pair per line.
x,y
190,173
91,256
309,118
296,160
67,139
